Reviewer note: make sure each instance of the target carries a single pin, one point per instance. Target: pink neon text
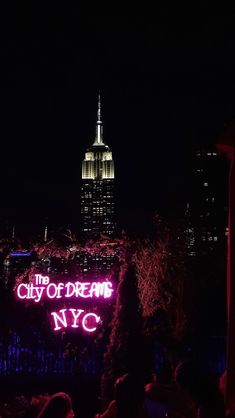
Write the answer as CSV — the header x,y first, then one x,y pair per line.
x,y
75,318
42,287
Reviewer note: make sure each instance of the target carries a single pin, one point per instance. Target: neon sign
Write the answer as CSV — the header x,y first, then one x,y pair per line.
x,y
75,318
41,288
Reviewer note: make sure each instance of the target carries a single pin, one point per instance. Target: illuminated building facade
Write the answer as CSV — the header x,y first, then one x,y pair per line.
x,y
97,205
97,191
206,242
189,233
208,203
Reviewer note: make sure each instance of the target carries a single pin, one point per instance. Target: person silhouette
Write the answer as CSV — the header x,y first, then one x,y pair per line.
x,y
58,405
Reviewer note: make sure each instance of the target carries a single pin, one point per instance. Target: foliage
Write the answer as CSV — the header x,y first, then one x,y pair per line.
x,y
153,289
160,271
57,257
125,348
62,250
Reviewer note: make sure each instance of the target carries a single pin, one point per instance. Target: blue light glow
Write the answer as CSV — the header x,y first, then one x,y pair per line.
x,y
20,254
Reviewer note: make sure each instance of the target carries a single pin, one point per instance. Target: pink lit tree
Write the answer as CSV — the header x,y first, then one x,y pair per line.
x,y
125,352
160,267
151,284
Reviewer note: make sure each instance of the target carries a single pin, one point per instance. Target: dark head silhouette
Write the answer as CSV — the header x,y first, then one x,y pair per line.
x,y
129,396
58,406
203,390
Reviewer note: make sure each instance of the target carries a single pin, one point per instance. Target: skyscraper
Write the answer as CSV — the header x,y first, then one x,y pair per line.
x,y
208,204
206,241
97,190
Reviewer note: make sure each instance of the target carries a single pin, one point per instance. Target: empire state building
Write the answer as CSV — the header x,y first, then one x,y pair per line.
x,y
97,191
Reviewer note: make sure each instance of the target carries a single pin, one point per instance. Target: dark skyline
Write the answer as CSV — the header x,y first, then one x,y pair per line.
x,y
167,84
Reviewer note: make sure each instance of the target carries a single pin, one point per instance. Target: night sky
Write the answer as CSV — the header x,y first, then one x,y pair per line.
x,y
167,80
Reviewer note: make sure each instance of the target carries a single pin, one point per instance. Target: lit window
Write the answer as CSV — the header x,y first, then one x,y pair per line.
x,y
205,184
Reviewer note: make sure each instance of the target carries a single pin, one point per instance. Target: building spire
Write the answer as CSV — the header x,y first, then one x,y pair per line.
x,y
99,109
45,234
99,126
13,233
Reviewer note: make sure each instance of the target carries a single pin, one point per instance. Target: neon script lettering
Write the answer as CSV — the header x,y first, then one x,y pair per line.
x,y
41,287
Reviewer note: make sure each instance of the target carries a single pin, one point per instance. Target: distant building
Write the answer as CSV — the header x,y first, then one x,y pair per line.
x,y
97,190
206,242
189,232
15,263
96,264
207,209
97,205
